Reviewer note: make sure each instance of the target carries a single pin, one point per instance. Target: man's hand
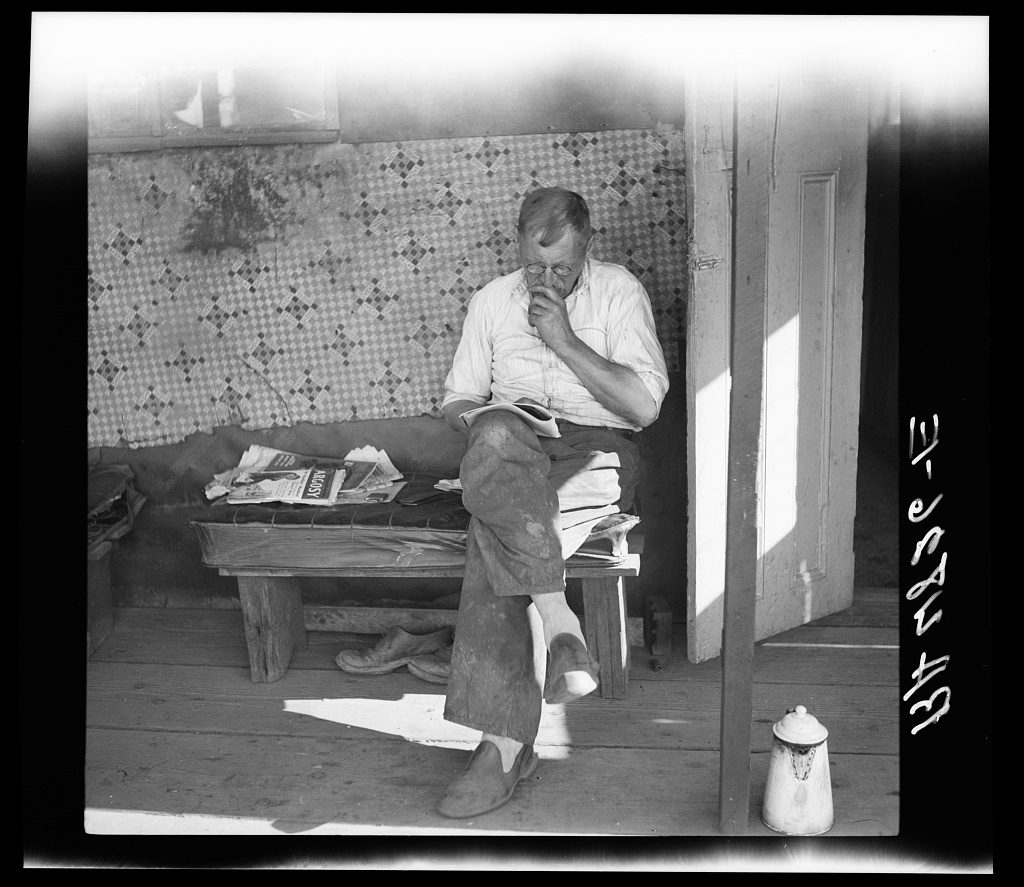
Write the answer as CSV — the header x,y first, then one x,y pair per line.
x,y
617,388
455,409
548,315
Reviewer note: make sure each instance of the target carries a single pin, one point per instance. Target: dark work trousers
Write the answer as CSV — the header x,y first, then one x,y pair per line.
x,y
533,501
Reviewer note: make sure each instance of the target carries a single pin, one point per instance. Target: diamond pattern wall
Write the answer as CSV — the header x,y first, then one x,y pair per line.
x,y
264,286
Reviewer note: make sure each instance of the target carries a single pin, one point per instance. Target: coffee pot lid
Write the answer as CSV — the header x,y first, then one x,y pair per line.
x,y
800,728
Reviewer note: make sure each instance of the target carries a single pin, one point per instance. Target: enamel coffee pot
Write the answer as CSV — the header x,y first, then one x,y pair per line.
x,y
798,792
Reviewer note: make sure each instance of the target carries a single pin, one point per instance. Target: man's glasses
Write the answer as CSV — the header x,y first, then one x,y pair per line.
x,y
560,270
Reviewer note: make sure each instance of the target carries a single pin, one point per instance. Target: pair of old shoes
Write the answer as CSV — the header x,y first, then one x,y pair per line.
x,y
571,674
428,656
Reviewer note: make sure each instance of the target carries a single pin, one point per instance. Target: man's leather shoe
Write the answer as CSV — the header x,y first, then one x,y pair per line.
x,y
484,785
572,672
433,667
397,648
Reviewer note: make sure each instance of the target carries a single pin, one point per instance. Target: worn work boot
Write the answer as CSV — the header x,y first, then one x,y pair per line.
x,y
484,785
433,667
397,648
572,672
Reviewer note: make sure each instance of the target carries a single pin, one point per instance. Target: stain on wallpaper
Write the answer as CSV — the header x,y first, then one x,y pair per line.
x,y
265,286
234,202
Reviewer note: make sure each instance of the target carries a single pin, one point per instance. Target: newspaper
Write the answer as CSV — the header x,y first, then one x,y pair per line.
x,y
265,474
381,485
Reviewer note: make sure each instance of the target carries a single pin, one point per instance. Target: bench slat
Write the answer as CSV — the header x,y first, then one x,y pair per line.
x,y
630,566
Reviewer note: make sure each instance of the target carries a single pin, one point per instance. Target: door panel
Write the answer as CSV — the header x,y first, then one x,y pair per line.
x,y
808,461
816,127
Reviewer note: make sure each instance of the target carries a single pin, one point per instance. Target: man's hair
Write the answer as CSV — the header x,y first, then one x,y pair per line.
x,y
547,212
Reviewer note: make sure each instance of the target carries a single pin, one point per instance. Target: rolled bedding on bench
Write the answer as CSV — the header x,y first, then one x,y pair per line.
x,y
368,535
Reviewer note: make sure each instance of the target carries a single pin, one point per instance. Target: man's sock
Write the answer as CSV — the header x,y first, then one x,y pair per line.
x,y
509,749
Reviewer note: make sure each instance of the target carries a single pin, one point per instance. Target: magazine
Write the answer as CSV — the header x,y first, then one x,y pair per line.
x,y
303,486
265,474
536,416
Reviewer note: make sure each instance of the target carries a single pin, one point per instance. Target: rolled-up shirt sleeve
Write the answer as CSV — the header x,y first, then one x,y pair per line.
x,y
634,341
470,375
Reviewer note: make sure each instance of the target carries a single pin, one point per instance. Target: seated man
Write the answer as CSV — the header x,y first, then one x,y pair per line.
x,y
577,336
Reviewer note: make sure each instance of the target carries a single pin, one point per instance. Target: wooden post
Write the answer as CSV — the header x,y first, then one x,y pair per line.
x,y
750,253
604,607
274,623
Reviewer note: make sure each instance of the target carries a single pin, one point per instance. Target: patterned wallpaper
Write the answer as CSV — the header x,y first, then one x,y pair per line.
x,y
269,285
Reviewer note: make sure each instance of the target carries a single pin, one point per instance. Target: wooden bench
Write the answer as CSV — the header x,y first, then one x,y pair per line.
x,y
276,621
270,548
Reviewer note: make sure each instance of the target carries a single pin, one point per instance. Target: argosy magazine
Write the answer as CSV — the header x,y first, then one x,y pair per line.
x,y
265,474
301,486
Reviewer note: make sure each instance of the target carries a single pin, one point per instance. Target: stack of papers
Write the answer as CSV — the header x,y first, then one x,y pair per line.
x,y
380,484
267,475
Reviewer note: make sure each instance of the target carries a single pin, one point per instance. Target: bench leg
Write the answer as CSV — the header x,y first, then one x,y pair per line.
x,y
604,615
274,624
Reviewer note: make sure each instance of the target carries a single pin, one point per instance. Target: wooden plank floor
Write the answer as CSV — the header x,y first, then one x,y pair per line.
x,y
180,741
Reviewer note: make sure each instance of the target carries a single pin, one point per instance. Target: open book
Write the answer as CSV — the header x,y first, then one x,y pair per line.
x,y
533,414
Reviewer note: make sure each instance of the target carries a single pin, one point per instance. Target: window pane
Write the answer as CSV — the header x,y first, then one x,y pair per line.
x,y
246,99
120,104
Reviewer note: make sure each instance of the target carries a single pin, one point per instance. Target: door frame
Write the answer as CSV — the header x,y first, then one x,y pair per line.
x,y
708,133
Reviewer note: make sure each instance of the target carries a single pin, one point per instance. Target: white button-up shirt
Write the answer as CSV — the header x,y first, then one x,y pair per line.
x,y
501,358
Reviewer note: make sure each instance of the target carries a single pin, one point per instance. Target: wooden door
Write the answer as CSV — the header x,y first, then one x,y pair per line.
x,y
814,128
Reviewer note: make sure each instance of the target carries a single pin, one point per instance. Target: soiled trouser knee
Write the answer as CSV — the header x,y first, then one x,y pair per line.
x,y
517,522
512,483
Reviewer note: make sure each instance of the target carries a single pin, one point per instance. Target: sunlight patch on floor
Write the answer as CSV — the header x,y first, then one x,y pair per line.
x,y
419,717
134,822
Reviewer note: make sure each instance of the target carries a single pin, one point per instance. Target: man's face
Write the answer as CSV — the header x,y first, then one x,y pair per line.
x,y
568,253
